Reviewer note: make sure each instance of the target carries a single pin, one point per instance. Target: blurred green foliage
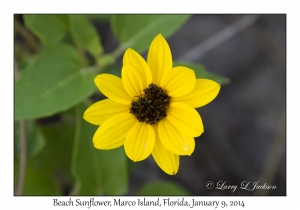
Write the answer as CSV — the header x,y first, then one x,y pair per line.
x,y
57,58
50,29
36,139
85,34
137,31
162,188
53,82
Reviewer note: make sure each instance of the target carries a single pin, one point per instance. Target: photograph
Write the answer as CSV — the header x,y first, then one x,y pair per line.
x,y
149,105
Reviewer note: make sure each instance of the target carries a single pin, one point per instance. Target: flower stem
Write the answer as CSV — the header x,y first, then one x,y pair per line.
x,y
16,71
118,52
23,146
23,157
91,69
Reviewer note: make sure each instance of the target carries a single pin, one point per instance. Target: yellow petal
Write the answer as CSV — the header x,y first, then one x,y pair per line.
x,y
204,92
173,140
112,87
100,111
131,57
166,160
180,81
185,118
139,141
112,133
134,80
159,59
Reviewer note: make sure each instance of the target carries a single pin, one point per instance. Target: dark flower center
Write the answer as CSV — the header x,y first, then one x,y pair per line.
x,y
152,106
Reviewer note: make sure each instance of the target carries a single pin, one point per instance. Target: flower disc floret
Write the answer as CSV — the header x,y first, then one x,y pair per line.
x,y
151,106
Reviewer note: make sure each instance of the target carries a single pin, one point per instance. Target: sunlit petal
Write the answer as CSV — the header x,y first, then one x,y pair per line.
x,y
173,140
112,133
180,81
112,87
139,142
185,118
134,80
136,74
100,111
159,59
166,160
203,93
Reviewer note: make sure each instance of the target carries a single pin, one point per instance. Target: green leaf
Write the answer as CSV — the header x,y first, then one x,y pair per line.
x,y
160,188
137,31
35,139
58,151
85,34
102,17
39,178
96,171
52,83
113,169
201,72
49,29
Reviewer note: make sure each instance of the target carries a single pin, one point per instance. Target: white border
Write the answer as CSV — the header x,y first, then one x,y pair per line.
x,y
8,8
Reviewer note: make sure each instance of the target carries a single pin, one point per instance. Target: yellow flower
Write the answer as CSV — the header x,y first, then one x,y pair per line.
x,y
151,109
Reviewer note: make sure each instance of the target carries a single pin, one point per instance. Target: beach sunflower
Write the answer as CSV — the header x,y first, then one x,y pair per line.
x,y
151,110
